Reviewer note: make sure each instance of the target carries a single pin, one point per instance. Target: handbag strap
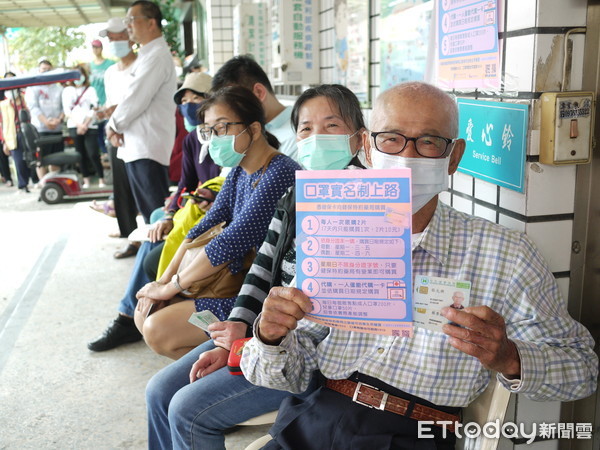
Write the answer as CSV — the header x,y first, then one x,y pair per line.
x,y
265,167
79,98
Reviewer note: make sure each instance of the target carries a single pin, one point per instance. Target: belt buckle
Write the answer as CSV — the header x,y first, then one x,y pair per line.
x,y
355,399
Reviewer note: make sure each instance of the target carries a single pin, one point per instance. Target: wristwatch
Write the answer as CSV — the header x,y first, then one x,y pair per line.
x,y
175,281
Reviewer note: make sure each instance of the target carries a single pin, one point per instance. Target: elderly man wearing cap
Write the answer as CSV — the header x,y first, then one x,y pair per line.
x,y
194,173
143,124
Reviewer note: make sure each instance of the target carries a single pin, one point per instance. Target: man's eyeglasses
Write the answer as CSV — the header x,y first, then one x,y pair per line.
x,y
427,146
220,129
128,19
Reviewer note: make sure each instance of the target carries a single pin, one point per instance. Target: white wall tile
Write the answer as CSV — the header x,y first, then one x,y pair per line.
x,y
518,70
375,7
553,239
463,183
533,146
375,92
562,13
563,287
462,204
511,223
520,14
326,4
375,21
550,189
486,191
548,64
486,213
445,197
577,64
375,74
513,200
327,19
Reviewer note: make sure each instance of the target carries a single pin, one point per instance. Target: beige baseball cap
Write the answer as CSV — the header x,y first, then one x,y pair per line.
x,y
114,25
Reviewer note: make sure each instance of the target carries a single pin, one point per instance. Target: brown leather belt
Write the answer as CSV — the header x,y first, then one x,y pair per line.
x,y
372,397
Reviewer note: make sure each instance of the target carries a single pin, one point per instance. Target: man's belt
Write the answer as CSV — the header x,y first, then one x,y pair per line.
x,y
372,397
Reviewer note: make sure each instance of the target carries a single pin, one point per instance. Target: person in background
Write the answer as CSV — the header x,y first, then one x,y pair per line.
x,y
143,123
45,105
192,401
244,71
123,330
234,128
98,67
377,388
79,101
116,83
12,142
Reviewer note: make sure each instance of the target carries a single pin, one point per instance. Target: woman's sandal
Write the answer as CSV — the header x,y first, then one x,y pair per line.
x,y
104,208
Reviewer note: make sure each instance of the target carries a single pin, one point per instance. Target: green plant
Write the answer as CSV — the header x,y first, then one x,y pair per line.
x,y
51,43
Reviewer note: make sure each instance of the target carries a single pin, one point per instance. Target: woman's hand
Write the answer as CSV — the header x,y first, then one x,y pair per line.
x,y
158,291
224,333
208,362
143,302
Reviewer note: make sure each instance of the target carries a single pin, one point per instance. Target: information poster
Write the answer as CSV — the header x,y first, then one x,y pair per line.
x,y
351,19
496,137
404,40
468,44
250,22
353,248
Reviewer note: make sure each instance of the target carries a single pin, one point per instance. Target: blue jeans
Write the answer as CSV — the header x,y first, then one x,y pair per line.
x,y
137,280
185,416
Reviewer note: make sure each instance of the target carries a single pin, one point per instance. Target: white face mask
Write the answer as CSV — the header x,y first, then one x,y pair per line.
x,y
429,175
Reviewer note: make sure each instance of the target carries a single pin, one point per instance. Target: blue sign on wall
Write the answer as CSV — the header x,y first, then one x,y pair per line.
x,y
496,137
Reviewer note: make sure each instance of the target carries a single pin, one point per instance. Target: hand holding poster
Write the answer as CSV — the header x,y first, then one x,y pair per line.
x,y
353,239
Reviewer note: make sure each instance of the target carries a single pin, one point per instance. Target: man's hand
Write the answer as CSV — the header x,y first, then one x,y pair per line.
x,y
483,337
282,310
162,228
224,333
116,139
208,362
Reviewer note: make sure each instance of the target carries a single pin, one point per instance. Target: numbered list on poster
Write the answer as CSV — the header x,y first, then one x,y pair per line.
x,y
353,247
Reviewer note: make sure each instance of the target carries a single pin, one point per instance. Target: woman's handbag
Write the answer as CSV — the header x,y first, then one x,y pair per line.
x,y
222,284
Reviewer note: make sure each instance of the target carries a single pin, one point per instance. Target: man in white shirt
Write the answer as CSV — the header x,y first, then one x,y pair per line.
x,y
143,124
117,79
244,71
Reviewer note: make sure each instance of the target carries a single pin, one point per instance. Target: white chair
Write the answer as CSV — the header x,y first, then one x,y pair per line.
x,y
263,419
489,406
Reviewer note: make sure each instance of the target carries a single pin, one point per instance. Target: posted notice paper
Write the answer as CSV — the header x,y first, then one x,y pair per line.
x,y
353,248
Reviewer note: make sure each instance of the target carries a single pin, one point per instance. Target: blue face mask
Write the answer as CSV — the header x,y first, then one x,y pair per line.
x,y
189,111
325,151
222,150
120,49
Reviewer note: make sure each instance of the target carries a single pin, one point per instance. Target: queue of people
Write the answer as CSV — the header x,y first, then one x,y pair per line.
x,y
516,327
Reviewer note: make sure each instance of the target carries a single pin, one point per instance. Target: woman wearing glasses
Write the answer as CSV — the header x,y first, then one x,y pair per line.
x,y
329,125
234,129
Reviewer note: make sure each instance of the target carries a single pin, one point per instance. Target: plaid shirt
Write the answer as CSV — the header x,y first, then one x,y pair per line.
x,y
507,274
